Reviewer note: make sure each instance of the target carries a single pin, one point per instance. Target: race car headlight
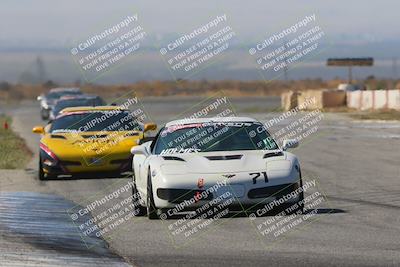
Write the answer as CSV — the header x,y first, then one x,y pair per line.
x,y
50,156
49,162
174,169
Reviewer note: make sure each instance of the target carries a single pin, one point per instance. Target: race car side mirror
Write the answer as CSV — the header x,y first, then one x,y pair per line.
x,y
38,130
139,150
150,127
290,143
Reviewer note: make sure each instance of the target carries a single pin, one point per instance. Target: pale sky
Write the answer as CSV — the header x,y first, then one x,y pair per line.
x,y
60,21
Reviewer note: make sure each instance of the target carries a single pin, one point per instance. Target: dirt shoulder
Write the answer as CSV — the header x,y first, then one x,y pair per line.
x,y
14,154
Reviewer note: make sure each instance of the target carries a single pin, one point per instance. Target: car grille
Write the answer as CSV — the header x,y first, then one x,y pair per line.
x,y
180,195
228,157
94,136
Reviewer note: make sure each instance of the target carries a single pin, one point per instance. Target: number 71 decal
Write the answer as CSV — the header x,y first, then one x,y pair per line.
x,y
258,174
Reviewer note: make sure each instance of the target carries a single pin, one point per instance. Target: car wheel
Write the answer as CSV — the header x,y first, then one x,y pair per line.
x,y
151,209
300,203
139,210
41,173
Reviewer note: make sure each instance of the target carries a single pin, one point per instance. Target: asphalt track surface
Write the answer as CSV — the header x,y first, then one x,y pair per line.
x,y
356,167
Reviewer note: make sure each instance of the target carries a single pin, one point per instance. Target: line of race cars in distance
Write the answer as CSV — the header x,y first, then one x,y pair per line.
x,y
59,98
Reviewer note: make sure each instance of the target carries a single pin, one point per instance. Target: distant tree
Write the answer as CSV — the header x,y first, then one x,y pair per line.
x,y
382,85
41,71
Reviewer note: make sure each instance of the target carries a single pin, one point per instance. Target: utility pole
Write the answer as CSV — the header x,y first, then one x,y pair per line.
x,y
350,75
394,72
285,68
41,71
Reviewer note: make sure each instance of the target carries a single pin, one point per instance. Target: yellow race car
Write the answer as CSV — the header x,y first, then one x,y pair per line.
x,y
90,142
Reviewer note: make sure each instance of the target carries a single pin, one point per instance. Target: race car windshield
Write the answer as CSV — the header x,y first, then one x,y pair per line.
x,y
56,95
96,121
76,103
207,137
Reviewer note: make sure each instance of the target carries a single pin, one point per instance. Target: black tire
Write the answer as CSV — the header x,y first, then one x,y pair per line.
x,y
139,210
41,173
300,210
151,209
300,203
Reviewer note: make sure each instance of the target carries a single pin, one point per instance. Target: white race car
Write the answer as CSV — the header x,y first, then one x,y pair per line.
x,y
193,162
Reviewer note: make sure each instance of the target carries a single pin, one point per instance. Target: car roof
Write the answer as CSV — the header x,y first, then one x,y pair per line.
x,y
91,108
72,89
213,119
74,97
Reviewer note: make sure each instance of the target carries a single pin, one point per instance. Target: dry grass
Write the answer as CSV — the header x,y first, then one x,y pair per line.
x,y
343,109
377,115
10,92
14,152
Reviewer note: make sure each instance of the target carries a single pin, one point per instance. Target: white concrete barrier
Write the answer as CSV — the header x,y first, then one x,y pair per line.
x,y
367,100
354,99
394,99
380,99
374,99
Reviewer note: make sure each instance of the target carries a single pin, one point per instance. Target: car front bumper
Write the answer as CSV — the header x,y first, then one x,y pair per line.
x,y
239,200
112,168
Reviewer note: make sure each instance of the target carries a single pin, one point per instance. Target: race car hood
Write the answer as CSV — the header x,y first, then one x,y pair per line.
x,y
92,144
226,162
